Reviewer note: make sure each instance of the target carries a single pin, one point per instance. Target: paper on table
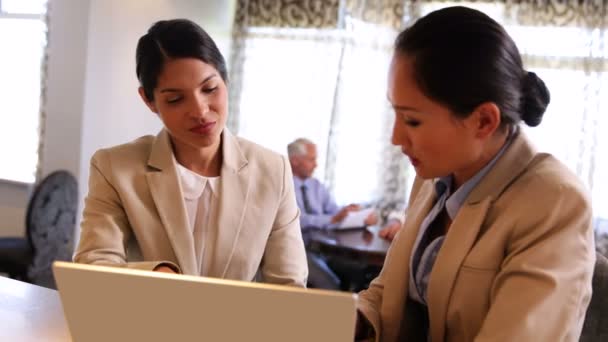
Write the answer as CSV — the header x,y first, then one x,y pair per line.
x,y
355,219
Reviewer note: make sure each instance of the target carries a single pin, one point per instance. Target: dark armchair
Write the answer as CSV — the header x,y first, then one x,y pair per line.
x,y
49,225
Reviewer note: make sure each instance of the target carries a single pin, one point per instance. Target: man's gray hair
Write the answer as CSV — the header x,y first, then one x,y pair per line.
x,y
298,147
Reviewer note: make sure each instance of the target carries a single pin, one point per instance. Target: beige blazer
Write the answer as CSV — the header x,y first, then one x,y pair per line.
x,y
516,263
135,212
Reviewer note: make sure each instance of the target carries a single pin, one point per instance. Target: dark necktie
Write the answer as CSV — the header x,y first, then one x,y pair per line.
x,y
307,208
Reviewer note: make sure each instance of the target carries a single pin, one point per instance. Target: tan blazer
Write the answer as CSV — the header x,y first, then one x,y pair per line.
x,y
135,212
516,264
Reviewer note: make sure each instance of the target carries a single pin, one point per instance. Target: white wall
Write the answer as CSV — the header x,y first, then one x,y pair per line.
x,y
68,27
92,87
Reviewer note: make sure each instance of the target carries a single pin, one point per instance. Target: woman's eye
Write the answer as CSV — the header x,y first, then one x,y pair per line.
x,y
173,100
412,123
209,90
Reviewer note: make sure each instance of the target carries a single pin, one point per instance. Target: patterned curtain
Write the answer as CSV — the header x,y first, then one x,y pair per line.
x,y
274,14
43,88
371,27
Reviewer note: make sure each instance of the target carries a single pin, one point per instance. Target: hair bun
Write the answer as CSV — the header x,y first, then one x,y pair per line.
x,y
535,100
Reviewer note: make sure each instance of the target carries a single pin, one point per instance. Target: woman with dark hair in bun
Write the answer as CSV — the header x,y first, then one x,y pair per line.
x,y
498,241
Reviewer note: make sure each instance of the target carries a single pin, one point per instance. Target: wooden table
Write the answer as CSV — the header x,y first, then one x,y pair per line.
x,y
361,244
30,313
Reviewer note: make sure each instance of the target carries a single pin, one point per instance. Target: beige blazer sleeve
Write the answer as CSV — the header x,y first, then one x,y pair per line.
x,y
370,300
105,229
284,260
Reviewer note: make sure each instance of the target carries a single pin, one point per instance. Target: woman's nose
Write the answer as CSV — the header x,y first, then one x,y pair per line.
x,y
200,107
399,136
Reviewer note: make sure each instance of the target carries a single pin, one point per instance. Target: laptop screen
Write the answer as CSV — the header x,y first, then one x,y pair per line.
x,y
117,304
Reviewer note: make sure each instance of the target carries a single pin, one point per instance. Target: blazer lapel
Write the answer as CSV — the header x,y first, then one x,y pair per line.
x,y
233,196
398,277
166,191
457,244
466,226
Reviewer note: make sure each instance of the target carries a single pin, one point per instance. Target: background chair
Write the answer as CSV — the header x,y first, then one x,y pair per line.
x,y
595,327
49,224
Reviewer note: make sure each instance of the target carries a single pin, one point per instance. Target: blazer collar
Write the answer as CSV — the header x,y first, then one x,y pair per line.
x,y
234,159
161,153
232,203
165,188
511,164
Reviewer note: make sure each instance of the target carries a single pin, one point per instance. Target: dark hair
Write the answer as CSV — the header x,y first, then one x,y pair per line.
x,y
463,58
177,38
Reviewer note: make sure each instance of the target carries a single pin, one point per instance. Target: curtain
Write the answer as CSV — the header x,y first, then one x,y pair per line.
x,y
362,165
255,14
43,88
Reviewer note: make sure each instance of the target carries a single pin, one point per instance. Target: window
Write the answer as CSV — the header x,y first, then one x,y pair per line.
x,y
22,37
317,83
288,88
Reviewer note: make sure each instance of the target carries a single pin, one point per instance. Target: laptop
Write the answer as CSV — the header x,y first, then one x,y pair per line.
x,y
118,304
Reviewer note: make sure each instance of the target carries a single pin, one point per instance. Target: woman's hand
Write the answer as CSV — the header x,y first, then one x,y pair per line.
x,y
371,219
390,230
164,269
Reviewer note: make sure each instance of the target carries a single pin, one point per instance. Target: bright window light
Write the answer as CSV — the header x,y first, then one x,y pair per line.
x,y
20,64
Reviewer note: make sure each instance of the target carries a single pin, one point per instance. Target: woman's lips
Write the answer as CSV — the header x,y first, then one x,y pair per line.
x,y
415,162
203,129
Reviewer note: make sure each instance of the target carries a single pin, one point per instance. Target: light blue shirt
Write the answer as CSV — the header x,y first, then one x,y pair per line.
x,y
322,205
425,252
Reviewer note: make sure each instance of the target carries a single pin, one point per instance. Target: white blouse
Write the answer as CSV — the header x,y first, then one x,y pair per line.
x,y
199,192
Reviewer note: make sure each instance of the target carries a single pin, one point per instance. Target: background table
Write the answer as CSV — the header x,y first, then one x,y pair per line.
x,y
360,244
356,256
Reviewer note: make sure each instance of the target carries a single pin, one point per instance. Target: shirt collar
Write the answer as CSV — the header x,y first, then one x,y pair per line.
x,y
455,201
298,182
194,184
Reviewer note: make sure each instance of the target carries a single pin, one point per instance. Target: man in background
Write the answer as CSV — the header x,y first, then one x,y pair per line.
x,y
317,206
317,209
